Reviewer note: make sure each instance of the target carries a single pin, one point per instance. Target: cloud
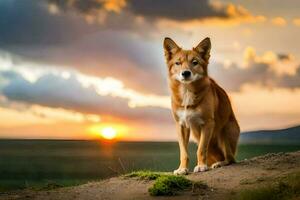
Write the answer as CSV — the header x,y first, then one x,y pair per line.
x,y
107,13
51,95
133,60
279,21
18,114
74,91
89,6
296,21
16,68
176,9
235,15
67,40
149,9
279,63
172,11
286,57
29,82
56,23
269,70
37,27
57,92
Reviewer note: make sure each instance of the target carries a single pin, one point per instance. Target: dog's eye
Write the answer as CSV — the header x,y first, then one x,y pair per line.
x,y
177,63
195,62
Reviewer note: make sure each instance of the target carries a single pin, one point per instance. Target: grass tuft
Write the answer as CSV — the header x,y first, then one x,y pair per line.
x,y
166,184
144,175
169,184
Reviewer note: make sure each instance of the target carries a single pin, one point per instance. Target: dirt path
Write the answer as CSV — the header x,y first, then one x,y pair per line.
x,y
222,181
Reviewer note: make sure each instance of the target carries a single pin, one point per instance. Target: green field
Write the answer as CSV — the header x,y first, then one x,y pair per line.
x,y
51,163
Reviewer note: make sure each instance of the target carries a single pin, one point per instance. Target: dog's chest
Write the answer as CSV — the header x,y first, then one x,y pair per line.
x,y
188,117
188,98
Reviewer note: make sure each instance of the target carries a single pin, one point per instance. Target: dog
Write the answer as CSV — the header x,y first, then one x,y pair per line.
x,y
201,107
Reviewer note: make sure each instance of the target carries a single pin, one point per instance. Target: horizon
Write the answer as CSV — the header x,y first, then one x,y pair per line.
x,y
102,140
95,70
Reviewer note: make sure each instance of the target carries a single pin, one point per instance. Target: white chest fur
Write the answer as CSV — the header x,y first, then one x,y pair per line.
x,y
187,97
188,117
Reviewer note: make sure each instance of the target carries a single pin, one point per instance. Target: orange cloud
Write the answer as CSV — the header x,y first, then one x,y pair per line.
x,y
271,108
236,15
213,13
65,130
18,115
278,21
280,64
296,21
114,5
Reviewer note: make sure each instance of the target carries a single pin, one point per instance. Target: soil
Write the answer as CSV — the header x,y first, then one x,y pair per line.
x,y
221,182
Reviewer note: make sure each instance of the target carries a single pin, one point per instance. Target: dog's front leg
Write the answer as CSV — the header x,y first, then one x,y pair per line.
x,y
203,143
183,140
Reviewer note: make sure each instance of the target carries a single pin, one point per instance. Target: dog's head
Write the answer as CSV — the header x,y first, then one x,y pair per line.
x,y
187,66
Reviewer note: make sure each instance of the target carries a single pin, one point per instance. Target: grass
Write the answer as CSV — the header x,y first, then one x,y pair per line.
x,y
145,175
283,189
34,163
166,184
169,185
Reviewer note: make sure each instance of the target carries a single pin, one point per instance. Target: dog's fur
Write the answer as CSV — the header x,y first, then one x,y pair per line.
x,y
200,106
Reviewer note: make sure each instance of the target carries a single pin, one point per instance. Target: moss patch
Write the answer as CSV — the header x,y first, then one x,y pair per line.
x,y
166,184
169,185
283,189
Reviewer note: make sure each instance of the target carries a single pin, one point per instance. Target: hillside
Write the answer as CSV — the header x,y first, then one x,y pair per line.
x,y
282,136
260,176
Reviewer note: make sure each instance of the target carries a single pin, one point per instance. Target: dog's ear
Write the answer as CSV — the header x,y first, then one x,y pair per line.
x,y
203,48
170,48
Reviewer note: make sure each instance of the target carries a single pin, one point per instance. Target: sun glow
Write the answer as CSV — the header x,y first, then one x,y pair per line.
x,y
108,133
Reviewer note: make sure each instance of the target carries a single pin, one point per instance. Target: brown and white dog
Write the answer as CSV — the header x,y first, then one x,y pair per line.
x,y
200,106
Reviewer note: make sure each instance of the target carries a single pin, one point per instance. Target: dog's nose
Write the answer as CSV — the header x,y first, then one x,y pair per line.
x,y
186,74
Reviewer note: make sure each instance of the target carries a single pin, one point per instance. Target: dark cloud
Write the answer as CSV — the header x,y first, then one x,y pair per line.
x,y
134,61
54,91
87,6
233,77
282,56
291,81
66,39
175,9
98,49
29,23
153,9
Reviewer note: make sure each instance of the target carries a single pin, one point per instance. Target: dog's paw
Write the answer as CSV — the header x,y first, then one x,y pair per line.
x,y
216,165
219,164
200,168
181,171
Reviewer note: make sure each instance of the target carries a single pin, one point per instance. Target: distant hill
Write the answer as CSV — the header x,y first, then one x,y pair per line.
x,y
283,136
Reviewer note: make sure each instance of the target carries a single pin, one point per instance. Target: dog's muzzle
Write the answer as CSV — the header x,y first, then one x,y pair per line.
x,y
186,74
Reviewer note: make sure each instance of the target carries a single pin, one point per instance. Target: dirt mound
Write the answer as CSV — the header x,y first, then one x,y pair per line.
x,y
222,182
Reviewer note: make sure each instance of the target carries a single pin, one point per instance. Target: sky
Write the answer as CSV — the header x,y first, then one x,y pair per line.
x,y
70,68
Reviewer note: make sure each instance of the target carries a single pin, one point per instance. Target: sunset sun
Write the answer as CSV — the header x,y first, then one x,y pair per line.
x,y
108,133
